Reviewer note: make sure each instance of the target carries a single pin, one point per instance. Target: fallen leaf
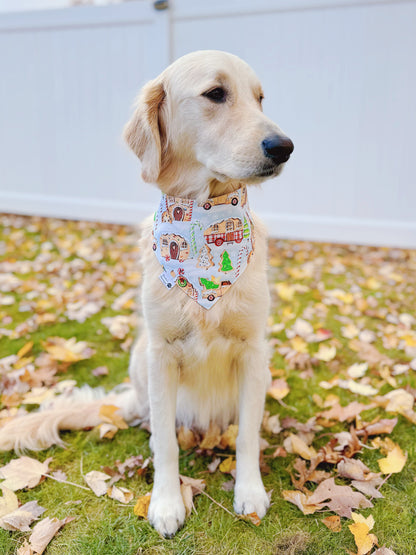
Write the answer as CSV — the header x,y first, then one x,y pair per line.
x,y
122,495
333,522
294,444
301,500
142,505
326,353
96,480
108,413
18,518
24,472
394,462
227,465
340,499
278,389
42,534
67,350
363,540
229,437
212,437
186,438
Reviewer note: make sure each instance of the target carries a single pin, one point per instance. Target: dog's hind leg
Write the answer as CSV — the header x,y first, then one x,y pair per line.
x,y
138,377
254,378
166,510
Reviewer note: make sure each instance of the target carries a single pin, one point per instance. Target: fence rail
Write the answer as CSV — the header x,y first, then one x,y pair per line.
x,y
339,77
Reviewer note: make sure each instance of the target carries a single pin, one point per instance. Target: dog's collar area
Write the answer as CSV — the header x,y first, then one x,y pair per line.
x,y
203,247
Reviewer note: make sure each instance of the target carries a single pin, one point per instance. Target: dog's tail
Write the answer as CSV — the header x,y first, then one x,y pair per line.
x,y
76,411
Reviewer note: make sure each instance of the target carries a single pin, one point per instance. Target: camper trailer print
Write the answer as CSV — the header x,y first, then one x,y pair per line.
x,y
227,231
231,198
174,247
177,210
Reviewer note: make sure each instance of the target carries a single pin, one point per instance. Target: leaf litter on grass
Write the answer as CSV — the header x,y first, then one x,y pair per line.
x,y
343,322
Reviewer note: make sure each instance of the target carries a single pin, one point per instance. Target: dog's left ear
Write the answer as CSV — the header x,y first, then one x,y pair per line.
x,y
142,132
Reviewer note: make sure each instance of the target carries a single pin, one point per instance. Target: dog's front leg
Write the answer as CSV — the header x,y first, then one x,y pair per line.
x,y
166,511
254,377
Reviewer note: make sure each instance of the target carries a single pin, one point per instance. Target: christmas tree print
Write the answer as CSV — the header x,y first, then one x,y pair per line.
x,y
246,229
205,258
225,263
208,284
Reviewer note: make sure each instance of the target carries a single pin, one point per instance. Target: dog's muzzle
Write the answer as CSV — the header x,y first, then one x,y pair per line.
x,y
278,148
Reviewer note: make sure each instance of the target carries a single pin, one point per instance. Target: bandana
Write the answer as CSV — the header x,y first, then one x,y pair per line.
x,y
204,247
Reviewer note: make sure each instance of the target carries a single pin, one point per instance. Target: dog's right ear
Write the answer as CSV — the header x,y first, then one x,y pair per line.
x,y
142,132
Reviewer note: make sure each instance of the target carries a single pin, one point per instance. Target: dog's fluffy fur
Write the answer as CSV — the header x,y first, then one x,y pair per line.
x,y
191,366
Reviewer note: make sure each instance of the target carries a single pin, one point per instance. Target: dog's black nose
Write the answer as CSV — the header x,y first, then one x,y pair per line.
x,y
278,148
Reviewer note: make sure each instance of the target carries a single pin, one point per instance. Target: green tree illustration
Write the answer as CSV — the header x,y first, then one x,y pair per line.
x,y
208,284
225,264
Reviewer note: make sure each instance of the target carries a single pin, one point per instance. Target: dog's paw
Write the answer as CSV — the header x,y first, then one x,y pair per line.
x,y
251,499
166,512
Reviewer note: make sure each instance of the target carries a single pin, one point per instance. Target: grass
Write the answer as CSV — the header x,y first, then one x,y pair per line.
x,y
104,526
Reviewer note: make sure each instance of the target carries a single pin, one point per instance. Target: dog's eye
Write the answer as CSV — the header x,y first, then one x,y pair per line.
x,y
216,95
261,98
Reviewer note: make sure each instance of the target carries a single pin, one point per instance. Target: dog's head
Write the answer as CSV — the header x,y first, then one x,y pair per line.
x,y
202,120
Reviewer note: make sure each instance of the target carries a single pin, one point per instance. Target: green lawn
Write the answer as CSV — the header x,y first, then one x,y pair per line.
x,y
78,262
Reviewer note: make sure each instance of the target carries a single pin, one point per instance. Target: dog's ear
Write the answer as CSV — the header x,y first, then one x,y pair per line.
x,y
142,132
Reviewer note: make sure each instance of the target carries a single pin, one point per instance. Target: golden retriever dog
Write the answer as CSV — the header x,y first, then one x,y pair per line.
x,y
200,133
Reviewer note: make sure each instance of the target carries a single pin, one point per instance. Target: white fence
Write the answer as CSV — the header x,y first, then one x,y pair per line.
x,y
339,77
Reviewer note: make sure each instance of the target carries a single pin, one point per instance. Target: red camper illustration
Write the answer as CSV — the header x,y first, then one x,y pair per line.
x,y
227,231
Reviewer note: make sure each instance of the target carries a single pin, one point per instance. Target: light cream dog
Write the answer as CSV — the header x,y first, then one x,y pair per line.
x,y
199,132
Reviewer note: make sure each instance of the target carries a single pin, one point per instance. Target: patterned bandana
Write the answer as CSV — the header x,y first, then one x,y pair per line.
x,y
204,247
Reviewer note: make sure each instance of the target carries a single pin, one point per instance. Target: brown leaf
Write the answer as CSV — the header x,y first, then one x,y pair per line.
x,y
229,437
212,437
340,499
301,500
186,438
333,523
108,413
43,532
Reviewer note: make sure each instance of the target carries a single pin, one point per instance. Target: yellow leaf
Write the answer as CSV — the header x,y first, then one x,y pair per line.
x,y
300,448
285,291
254,518
186,438
67,350
108,414
142,506
278,389
227,465
25,349
300,499
326,353
229,437
394,462
299,345
373,283
212,437
360,529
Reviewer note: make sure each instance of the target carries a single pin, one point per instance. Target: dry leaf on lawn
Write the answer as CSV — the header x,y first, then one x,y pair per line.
x,y
394,462
67,350
340,499
212,437
17,518
24,472
228,465
333,522
229,437
363,540
326,353
42,534
301,500
122,495
278,389
186,438
142,505
109,414
294,444
96,480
